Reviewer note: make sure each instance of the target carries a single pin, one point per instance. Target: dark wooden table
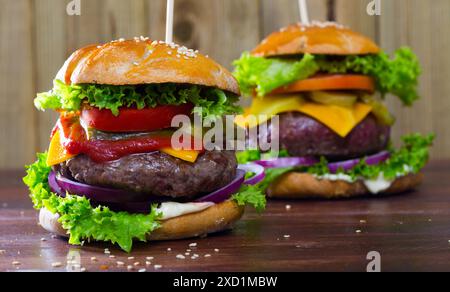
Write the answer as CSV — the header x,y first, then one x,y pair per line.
x,y
410,231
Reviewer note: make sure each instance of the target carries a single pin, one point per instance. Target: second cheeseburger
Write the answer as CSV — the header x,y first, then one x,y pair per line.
x,y
111,172
327,84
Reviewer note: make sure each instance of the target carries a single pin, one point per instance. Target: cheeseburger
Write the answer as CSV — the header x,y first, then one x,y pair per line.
x,y
111,172
327,85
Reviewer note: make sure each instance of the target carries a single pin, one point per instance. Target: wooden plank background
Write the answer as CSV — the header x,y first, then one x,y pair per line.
x,y
37,36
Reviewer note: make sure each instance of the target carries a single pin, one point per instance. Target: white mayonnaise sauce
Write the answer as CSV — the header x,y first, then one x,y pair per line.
x,y
375,186
171,209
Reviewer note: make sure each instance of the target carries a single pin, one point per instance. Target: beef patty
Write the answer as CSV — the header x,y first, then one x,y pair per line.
x,y
302,135
156,173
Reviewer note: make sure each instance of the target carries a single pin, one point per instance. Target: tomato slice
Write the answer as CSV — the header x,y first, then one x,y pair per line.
x,y
330,82
134,120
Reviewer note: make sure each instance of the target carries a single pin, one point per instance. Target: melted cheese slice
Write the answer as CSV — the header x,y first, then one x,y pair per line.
x,y
341,119
57,153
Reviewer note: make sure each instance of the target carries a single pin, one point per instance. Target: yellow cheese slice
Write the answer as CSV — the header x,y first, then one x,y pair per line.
x,y
56,152
341,119
186,155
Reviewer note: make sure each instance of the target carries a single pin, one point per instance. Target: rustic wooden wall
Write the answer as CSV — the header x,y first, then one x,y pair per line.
x,y
37,36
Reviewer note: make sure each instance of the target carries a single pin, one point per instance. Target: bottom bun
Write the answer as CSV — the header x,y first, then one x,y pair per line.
x,y
217,218
295,185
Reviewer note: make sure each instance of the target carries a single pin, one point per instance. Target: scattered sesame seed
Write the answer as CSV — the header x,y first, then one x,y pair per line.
x,y
216,250
207,255
288,207
135,63
43,239
154,43
54,236
188,250
131,258
169,249
112,256
16,263
194,244
187,253
57,265
362,221
286,236
2,251
142,271
130,268
82,270
193,258
358,231
120,264
149,258
94,259
137,264
157,267
147,263
181,257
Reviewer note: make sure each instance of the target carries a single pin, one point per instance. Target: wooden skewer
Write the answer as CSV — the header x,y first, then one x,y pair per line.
x,y
169,21
304,18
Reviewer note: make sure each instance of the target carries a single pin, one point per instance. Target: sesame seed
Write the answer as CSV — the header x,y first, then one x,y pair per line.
x,y
194,244
82,270
149,258
54,236
130,268
147,263
216,250
135,63
358,231
94,259
142,271
16,263
137,264
286,236
187,253
181,257
2,251
193,257
169,249
188,250
112,256
288,207
120,264
131,258
362,221
157,267
57,265
207,255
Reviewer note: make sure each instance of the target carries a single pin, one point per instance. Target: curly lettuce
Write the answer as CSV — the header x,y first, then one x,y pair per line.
x,y
214,102
84,222
398,75
411,158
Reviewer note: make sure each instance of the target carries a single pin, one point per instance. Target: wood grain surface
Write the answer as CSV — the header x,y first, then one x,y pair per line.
x,y
37,36
410,231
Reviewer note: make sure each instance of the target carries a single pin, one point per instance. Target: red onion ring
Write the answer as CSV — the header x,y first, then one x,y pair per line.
x,y
257,169
287,162
350,164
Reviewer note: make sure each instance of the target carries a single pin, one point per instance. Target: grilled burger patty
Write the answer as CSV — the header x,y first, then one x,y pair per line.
x,y
302,135
156,173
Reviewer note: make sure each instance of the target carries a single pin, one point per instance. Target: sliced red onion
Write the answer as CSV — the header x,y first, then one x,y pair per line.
x,y
287,162
102,194
257,169
225,193
350,164
54,187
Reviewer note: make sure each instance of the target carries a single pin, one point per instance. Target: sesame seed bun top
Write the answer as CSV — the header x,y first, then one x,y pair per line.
x,y
142,61
321,38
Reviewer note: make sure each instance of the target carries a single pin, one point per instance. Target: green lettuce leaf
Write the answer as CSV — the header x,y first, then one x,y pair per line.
x,y
84,222
81,220
398,76
214,102
251,195
410,158
266,75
